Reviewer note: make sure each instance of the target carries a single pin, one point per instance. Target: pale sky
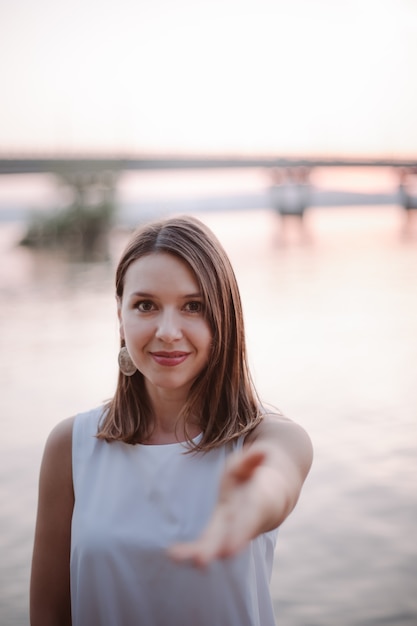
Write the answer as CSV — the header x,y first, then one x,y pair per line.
x,y
131,76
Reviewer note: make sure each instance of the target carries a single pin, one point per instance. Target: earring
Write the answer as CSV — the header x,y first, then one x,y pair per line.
x,y
126,365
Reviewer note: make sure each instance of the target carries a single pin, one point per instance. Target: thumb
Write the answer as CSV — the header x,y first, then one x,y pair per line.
x,y
244,465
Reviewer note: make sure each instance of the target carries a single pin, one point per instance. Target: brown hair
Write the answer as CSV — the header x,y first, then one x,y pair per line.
x,y
223,395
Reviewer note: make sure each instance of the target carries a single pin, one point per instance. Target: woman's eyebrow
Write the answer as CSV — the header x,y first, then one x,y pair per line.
x,y
141,294
147,294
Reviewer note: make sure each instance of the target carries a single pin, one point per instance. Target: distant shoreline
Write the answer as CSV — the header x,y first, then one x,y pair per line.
x,y
18,212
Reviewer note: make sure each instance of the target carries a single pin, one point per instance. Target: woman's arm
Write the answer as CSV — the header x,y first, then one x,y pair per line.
x,y
259,489
288,455
50,603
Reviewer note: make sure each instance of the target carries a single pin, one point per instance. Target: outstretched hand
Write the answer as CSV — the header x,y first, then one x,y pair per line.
x,y
236,518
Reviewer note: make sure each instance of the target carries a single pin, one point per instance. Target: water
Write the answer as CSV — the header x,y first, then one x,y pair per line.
x,y
332,336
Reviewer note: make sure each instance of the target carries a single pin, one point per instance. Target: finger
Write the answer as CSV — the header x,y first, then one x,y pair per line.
x,y
198,556
212,544
182,551
217,542
243,467
194,553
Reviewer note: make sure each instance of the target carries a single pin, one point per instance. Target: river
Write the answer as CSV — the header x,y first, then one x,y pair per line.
x,y
332,336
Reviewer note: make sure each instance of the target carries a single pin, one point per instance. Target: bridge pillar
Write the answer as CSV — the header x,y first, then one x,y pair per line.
x,y
407,193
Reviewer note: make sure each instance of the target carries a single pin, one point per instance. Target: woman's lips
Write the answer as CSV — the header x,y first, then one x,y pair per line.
x,y
169,358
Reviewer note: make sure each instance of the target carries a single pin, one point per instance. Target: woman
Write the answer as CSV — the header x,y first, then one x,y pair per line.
x,y
161,508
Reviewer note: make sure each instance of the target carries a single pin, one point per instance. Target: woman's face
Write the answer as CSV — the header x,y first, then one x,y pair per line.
x,y
163,322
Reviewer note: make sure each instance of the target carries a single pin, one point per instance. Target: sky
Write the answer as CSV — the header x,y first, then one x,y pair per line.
x,y
293,77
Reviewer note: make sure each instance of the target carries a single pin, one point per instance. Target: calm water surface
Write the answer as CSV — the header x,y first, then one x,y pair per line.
x,y
332,333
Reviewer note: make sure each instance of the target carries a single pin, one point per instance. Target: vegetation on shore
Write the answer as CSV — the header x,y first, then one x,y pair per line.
x,y
81,229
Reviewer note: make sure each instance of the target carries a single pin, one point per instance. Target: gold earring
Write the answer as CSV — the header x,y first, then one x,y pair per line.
x,y
126,365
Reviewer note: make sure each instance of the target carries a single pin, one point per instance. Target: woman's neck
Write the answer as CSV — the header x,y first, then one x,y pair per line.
x,y
168,425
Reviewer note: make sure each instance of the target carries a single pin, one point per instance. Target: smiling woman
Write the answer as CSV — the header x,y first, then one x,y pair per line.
x,y
182,470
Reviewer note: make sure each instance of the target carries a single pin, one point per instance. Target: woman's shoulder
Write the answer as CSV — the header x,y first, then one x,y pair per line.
x,y
57,457
271,418
61,435
281,432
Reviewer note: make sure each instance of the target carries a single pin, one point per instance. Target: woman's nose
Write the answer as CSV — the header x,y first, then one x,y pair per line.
x,y
169,327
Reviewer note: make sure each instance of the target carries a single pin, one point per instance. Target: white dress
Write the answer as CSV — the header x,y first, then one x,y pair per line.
x,y
131,503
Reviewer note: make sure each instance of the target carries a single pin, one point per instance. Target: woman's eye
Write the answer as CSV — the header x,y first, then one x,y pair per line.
x,y
145,306
194,307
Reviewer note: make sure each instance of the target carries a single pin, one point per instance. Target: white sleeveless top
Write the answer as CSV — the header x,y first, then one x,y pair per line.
x,y
131,503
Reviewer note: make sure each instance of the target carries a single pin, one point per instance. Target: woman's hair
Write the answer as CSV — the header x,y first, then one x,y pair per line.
x,y
222,397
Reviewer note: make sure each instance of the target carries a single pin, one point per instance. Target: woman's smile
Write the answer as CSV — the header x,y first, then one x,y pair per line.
x,y
169,359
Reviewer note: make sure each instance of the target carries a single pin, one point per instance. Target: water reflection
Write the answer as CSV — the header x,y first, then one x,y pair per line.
x,y
332,341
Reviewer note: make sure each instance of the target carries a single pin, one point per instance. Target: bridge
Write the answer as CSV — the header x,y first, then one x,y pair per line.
x,y
95,164
96,177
